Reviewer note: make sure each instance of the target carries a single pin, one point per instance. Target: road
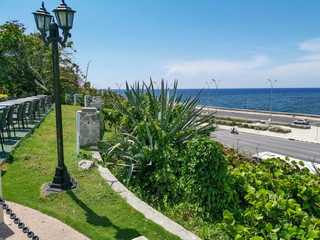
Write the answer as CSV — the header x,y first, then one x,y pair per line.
x,y
255,116
249,144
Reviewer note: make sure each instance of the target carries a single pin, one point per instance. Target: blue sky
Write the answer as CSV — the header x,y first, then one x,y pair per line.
x,y
242,42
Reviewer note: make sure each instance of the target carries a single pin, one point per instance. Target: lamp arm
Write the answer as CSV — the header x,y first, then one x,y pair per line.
x,y
63,40
43,36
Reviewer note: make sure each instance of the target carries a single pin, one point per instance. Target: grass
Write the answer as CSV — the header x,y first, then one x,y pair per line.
x,y
93,209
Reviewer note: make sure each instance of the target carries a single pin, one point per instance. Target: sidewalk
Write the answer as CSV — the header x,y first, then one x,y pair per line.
x,y
43,226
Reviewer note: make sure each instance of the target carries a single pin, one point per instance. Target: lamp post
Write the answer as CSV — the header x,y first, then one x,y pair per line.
x,y
272,84
217,85
247,110
45,22
208,84
85,82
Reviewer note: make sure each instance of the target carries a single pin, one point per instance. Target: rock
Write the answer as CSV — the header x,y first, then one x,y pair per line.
x,y
140,238
85,164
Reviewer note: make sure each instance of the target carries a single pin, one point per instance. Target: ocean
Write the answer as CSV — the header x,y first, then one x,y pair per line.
x,y
292,100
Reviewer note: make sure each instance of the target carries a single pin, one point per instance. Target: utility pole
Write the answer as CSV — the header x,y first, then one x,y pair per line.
x,y
272,84
217,85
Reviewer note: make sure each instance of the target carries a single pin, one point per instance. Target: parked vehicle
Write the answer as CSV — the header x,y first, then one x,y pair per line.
x,y
302,121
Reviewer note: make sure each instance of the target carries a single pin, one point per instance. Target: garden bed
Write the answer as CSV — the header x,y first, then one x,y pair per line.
x,y
214,192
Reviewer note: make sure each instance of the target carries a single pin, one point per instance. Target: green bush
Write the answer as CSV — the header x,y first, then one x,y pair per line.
x,y
261,127
279,130
158,175
282,202
112,116
205,173
151,123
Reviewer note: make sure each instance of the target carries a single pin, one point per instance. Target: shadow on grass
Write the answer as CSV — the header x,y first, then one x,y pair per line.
x,y
96,220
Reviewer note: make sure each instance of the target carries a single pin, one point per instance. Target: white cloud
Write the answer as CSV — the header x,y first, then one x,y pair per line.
x,y
246,74
193,68
312,45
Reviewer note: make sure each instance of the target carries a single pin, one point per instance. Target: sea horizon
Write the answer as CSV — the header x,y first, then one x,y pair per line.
x,y
288,100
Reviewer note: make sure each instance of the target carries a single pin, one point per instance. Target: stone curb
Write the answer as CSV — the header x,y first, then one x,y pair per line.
x,y
141,206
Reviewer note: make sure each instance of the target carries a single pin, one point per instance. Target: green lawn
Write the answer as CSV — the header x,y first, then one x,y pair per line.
x,y
93,209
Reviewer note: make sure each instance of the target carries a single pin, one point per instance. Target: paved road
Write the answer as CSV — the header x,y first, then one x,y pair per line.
x,y
261,116
252,143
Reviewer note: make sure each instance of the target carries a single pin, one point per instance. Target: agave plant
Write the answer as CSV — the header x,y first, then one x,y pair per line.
x,y
159,120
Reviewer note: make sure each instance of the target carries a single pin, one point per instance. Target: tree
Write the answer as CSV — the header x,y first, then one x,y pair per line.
x,y
26,63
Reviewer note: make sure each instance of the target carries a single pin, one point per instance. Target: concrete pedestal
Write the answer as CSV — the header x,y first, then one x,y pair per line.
x,y
77,99
87,100
97,102
89,127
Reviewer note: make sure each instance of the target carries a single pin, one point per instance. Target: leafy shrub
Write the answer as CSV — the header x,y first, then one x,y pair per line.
x,y
261,127
245,125
279,130
205,175
112,116
300,126
152,123
227,123
158,175
282,202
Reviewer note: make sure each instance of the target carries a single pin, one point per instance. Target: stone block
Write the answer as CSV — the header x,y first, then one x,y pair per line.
x,y
88,110
97,102
77,99
91,125
140,238
87,100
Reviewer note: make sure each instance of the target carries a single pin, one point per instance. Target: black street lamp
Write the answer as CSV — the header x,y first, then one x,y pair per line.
x,y
45,22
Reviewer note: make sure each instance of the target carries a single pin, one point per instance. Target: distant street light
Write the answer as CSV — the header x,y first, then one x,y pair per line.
x,y
217,85
208,84
85,82
247,110
45,22
272,84
118,85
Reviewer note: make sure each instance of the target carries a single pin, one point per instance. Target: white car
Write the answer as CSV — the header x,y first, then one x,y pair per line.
x,y
302,121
